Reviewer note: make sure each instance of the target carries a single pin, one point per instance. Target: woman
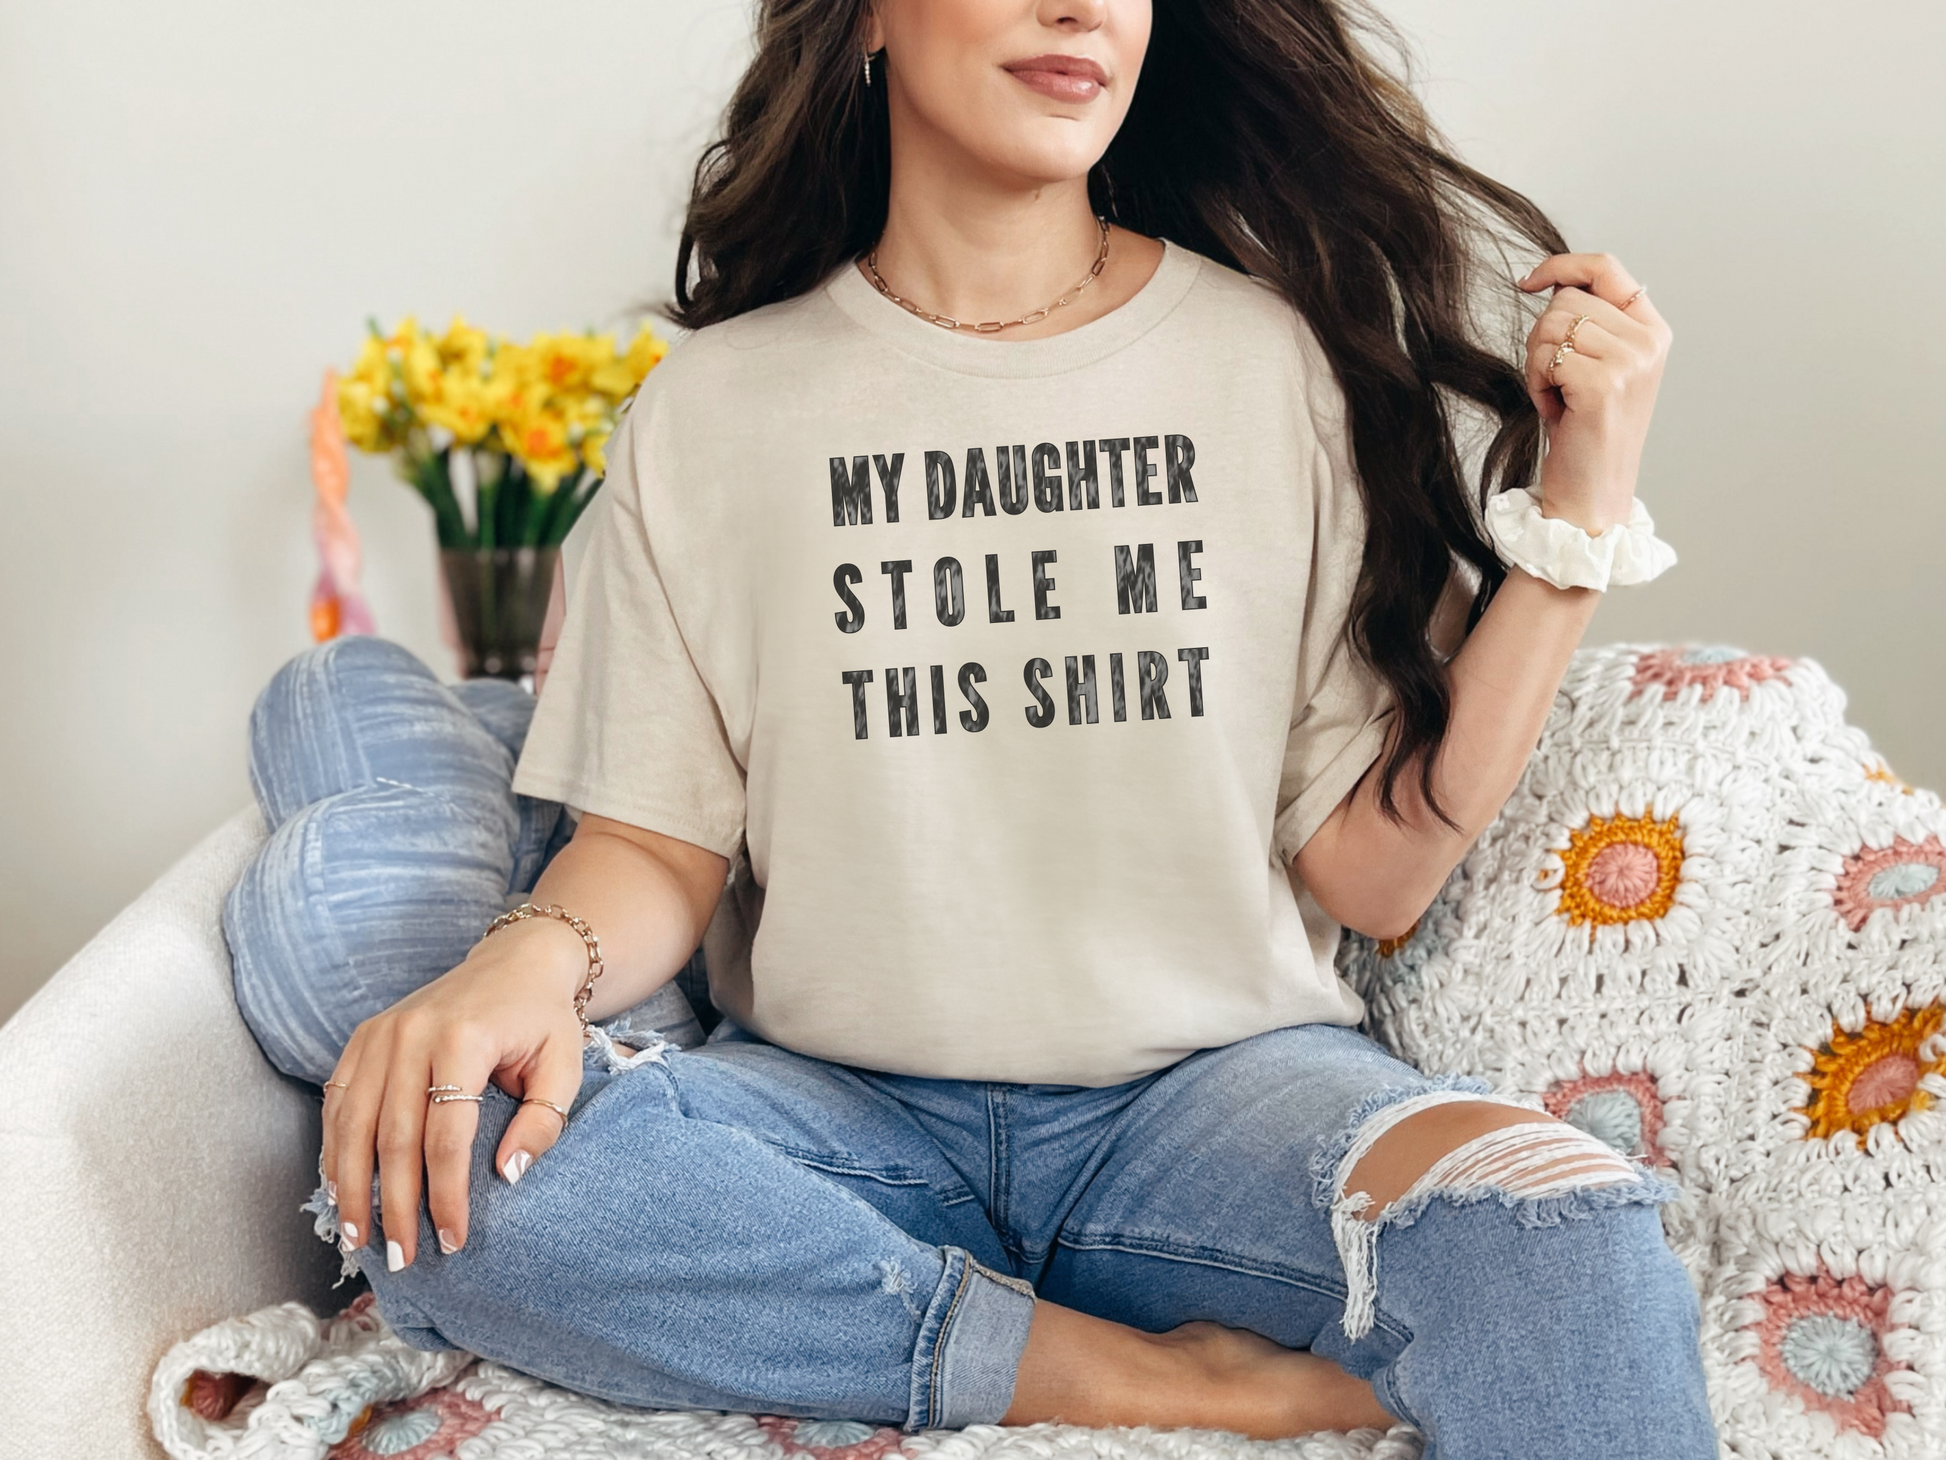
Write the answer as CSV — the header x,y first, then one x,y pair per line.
x,y
1152,637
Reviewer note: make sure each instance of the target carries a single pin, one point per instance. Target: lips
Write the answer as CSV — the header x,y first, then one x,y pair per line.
x,y
1065,78
1062,65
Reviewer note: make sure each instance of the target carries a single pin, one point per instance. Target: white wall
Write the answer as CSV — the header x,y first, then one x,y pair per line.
x,y
1774,172
200,203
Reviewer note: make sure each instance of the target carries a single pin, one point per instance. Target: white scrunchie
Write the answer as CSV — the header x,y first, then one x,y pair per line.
x,y
1560,553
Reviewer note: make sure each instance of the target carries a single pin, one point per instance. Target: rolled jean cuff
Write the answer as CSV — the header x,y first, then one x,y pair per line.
x,y
970,1342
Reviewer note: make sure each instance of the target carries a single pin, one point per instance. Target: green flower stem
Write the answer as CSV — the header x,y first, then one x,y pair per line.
x,y
549,509
515,489
487,511
564,507
433,482
509,511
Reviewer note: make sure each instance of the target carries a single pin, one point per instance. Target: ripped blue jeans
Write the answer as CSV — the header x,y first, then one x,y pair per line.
x,y
728,1224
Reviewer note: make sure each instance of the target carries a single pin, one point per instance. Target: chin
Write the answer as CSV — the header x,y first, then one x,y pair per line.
x,y
1039,152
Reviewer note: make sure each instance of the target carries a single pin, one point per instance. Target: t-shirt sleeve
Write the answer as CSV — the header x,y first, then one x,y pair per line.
x,y
1342,710
626,727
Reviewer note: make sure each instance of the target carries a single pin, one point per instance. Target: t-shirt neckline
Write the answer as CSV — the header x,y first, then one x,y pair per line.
x,y
971,355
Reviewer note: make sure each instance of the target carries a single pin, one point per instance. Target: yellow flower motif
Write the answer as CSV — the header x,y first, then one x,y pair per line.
x,y
461,408
512,394
584,411
374,365
516,362
594,451
424,374
1860,1080
463,347
615,375
645,352
364,426
406,335
373,377
612,379
541,442
564,361
1621,869
550,402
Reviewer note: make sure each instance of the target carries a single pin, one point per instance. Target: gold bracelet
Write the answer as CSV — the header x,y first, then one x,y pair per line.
x,y
527,910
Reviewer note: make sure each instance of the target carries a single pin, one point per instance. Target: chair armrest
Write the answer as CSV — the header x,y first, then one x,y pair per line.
x,y
151,1165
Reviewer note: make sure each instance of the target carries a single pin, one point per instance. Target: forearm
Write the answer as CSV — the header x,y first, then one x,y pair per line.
x,y
647,898
1378,875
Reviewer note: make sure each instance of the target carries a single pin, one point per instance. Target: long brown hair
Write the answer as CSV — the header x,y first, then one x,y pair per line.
x,y
1270,136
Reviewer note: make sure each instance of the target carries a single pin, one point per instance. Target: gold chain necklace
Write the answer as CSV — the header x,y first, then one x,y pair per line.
x,y
948,322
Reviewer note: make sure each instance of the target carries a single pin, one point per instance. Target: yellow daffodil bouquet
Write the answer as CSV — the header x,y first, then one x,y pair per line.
x,y
504,441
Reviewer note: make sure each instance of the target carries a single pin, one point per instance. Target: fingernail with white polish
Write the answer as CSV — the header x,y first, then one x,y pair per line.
x,y
446,1243
516,1166
394,1257
331,1189
350,1229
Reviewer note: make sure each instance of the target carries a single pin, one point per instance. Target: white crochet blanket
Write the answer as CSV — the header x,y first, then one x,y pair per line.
x,y
347,1388
1709,927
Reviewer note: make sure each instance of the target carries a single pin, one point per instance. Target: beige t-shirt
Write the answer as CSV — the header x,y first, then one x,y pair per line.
x,y
1019,668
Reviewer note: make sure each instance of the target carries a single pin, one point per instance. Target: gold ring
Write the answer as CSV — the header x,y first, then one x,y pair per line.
x,y
537,1100
1630,303
441,1094
336,1085
1561,353
1579,320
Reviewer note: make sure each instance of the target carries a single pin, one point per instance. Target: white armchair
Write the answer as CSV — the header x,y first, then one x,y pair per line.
x,y
151,1167
1709,926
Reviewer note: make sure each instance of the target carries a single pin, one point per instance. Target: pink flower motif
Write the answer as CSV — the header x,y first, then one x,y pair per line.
x,y
1904,874
424,1428
1624,874
1623,1110
1820,1340
1675,669
831,1439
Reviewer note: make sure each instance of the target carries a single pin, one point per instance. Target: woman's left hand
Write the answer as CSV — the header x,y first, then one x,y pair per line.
x,y
1597,404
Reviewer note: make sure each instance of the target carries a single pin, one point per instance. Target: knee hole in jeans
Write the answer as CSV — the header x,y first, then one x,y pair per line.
x,y
1484,1146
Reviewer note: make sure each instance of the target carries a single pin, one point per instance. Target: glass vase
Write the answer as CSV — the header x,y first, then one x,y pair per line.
x,y
499,602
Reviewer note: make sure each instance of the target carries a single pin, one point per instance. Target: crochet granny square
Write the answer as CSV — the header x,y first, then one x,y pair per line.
x,y
1710,928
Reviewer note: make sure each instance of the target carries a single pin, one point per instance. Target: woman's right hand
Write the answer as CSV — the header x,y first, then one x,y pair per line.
x,y
507,1014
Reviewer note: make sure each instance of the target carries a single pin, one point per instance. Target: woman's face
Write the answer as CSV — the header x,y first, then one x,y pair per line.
x,y
1008,83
